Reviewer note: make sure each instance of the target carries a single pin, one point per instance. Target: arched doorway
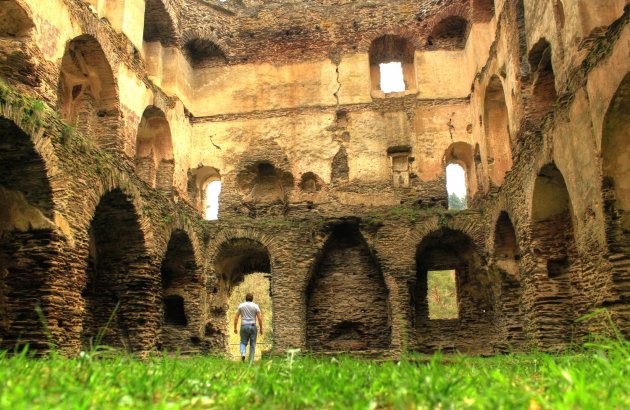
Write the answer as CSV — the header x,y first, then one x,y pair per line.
x,y
244,265
347,306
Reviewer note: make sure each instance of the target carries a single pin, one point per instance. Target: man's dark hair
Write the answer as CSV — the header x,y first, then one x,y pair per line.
x,y
249,297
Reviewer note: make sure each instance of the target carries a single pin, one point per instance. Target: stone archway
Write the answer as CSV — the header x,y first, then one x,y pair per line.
x,y
121,282
155,163
496,125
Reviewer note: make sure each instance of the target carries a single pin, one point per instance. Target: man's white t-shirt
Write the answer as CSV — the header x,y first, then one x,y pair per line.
x,y
248,312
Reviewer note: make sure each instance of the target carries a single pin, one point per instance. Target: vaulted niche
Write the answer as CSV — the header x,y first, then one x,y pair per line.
x,y
497,131
26,238
262,182
447,263
553,243
449,34
16,29
311,183
340,170
119,281
346,299
154,150
615,163
543,93
392,56
158,25
244,265
88,98
182,295
202,53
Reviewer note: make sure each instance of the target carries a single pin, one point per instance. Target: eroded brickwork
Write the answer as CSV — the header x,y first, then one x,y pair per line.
x,y
115,116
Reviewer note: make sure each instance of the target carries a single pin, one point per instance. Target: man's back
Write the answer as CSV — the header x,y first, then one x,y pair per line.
x,y
248,311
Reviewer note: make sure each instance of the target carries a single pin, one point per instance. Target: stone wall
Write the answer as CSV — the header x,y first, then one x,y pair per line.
x,y
102,240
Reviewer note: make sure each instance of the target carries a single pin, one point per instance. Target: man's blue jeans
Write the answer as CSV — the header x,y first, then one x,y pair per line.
x,y
248,335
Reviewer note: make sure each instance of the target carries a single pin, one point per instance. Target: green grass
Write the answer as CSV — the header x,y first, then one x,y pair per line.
x,y
595,378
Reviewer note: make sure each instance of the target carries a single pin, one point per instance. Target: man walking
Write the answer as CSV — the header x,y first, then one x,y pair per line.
x,y
249,312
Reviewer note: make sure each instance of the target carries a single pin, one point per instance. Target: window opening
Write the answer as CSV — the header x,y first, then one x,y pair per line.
x,y
442,294
212,200
456,186
392,77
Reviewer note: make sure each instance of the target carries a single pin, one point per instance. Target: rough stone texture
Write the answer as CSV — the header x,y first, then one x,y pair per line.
x,y
101,205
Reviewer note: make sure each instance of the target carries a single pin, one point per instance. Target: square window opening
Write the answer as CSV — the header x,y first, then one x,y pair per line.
x,y
442,294
392,80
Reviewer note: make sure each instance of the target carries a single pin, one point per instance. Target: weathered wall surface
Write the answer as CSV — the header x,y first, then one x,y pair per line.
x,y
335,189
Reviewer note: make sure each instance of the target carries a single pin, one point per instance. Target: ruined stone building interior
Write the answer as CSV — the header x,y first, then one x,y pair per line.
x,y
154,152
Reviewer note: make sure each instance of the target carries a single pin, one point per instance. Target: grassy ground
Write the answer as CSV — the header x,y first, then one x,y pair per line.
x,y
595,378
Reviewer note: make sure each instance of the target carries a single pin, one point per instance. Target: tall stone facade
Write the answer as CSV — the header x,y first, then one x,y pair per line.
x,y
116,115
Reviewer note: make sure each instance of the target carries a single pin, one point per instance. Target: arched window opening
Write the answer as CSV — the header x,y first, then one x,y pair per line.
x,y
243,266
202,53
456,187
391,64
543,81
461,182
204,189
213,190
28,239
346,272
154,150
158,25
496,125
449,34
450,288
88,98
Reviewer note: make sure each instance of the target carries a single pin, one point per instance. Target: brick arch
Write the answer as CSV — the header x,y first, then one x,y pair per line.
x,y
161,23
268,241
210,36
88,92
458,10
119,276
30,242
474,231
17,55
16,19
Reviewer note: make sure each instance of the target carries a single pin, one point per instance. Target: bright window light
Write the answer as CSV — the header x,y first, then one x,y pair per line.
x,y
392,77
456,185
212,200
